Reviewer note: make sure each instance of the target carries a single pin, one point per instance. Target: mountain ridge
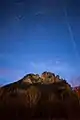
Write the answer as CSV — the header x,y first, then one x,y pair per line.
x,y
46,96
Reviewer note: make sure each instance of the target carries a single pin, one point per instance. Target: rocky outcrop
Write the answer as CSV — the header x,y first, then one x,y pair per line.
x,y
48,77
39,97
31,78
45,78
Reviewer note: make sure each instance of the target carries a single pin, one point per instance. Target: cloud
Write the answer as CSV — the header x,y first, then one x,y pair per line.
x,y
38,65
56,66
39,13
49,65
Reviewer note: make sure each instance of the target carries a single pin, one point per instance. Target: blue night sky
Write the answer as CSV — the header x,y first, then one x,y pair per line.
x,y
37,36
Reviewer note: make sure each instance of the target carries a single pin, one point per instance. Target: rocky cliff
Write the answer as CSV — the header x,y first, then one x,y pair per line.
x,y
39,97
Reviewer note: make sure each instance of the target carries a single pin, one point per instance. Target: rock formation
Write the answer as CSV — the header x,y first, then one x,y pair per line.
x,y
39,97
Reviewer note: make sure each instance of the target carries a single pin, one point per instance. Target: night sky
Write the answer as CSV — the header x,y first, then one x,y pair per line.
x,y
37,36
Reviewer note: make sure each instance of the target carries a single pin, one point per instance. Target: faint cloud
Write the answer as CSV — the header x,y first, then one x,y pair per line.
x,y
39,13
38,65
57,66
57,62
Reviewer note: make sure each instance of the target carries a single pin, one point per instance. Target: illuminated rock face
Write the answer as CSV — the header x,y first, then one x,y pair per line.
x,y
32,78
49,77
46,78
27,80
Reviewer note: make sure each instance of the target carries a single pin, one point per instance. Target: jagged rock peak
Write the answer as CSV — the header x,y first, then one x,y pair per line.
x,y
31,78
45,78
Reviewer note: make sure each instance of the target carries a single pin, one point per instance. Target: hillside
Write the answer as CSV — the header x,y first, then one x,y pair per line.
x,y
39,97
